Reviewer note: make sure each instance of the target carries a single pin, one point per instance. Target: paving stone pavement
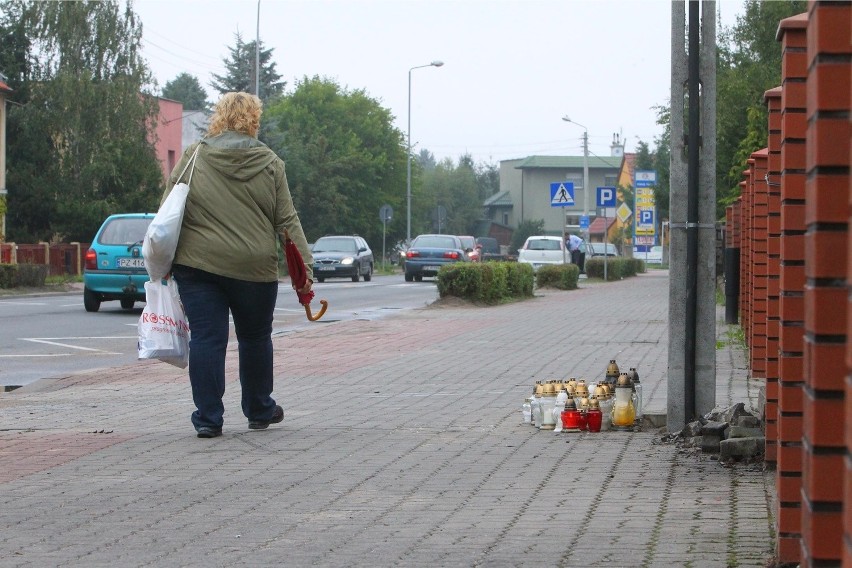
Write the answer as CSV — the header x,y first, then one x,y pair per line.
x,y
402,445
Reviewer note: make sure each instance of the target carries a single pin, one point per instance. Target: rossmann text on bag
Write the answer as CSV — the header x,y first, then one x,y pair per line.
x,y
154,319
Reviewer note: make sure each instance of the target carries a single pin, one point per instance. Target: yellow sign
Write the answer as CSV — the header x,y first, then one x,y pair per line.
x,y
623,212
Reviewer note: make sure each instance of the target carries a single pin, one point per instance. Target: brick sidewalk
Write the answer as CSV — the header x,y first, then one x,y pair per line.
x,y
402,445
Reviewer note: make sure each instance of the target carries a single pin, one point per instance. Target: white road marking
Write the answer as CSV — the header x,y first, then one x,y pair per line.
x,y
47,341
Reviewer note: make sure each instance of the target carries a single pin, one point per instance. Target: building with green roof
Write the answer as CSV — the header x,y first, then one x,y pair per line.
x,y
524,193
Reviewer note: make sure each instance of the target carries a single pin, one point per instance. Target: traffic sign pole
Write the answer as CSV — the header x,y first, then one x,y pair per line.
x,y
606,199
385,214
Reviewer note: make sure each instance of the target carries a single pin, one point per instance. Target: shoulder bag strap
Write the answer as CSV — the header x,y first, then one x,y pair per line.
x,y
191,162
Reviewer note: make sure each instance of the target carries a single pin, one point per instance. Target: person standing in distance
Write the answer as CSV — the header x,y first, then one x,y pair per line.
x,y
575,247
239,206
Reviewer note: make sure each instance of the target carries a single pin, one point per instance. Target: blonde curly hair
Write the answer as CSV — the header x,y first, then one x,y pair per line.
x,y
236,111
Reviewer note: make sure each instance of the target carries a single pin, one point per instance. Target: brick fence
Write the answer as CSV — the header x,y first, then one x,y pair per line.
x,y
64,259
792,219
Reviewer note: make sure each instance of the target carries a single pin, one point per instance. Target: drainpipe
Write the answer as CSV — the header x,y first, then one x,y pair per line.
x,y
693,142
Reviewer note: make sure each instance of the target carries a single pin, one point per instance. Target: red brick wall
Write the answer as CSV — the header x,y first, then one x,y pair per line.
x,y
795,269
759,238
826,214
773,270
793,37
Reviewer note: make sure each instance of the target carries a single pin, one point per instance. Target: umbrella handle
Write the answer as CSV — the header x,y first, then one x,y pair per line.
x,y
321,312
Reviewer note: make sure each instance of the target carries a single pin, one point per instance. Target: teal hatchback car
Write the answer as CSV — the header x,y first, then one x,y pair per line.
x,y
114,268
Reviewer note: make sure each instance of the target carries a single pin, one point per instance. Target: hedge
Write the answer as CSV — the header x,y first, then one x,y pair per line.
x,y
30,275
617,268
486,282
561,276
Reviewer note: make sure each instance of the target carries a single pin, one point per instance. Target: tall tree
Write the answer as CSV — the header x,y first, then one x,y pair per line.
x,y
453,188
749,64
662,163
426,159
78,139
186,89
241,76
344,157
487,179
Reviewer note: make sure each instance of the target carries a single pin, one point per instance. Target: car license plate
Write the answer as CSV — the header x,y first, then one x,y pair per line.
x,y
432,268
131,263
331,268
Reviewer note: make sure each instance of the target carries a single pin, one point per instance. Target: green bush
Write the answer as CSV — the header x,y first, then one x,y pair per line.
x,y
486,282
7,275
520,278
561,276
30,275
637,266
615,268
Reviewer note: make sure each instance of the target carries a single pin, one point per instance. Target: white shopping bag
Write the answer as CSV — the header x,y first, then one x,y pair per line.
x,y
163,327
161,238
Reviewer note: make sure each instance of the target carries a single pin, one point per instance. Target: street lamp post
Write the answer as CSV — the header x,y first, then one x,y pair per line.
x,y
408,183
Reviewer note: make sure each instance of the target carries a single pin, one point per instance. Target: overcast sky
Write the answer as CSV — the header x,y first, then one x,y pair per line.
x,y
512,68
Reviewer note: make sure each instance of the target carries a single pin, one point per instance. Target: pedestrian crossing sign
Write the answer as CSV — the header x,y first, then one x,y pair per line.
x,y
561,194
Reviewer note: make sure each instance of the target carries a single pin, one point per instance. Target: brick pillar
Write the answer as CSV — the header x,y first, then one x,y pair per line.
x,y
826,215
793,37
772,98
746,273
759,235
847,491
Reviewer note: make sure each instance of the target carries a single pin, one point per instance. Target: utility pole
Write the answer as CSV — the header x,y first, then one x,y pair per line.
x,y
257,55
586,183
692,225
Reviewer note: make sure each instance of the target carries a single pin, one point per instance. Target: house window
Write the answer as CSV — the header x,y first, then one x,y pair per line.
x,y
171,160
576,179
610,180
505,218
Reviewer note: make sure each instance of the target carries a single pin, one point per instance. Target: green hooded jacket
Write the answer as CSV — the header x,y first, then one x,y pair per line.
x,y
239,206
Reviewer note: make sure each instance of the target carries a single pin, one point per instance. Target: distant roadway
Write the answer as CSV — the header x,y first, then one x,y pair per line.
x,y
52,336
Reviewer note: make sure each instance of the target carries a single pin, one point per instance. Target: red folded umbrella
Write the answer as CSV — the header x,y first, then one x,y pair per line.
x,y
299,276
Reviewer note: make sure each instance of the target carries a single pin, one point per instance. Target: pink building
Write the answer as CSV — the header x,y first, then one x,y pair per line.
x,y
168,134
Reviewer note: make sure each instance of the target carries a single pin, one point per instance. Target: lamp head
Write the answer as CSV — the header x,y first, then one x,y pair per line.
x,y
436,63
566,119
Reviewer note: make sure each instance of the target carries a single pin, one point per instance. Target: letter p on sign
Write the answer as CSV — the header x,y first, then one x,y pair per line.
x,y
606,197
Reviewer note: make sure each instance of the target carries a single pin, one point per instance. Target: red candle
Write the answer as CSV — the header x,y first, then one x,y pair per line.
x,y
594,416
570,420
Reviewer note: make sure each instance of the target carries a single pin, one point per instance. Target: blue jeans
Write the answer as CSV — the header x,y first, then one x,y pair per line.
x,y
207,298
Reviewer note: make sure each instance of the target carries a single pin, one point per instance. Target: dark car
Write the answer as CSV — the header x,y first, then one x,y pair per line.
x,y
490,249
342,256
114,268
428,253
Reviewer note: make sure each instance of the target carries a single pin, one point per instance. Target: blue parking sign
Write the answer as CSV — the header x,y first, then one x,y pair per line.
x,y
606,196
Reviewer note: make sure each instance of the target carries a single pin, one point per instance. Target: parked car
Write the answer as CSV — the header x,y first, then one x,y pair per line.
x,y
491,249
654,255
601,249
540,250
428,253
471,248
342,256
114,268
